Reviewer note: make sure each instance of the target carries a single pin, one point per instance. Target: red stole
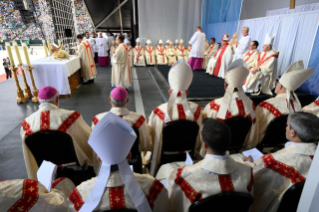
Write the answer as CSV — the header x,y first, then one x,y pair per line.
x,y
128,62
138,52
88,49
182,50
262,60
249,55
161,50
219,60
211,48
150,52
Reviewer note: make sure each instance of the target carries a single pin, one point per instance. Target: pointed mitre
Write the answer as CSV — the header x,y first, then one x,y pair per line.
x,y
181,41
176,41
167,41
189,42
225,38
138,40
269,40
160,41
148,41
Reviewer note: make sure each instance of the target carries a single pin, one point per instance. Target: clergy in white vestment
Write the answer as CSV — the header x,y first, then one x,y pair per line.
x,y
150,53
275,173
243,45
167,43
181,51
129,51
234,103
121,71
117,187
207,44
285,102
176,44
213,47
262,77
139,59
91,42
313,108
197,53
51,117
88,69
103,54
161,54
218,64
251,55
189,49
216,173
113,49
171,54
180,77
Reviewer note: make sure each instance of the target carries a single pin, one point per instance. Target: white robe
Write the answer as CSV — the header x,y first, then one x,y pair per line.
x,y
161,55
226,60
242,47
198,45
103,47
139,59
313,108
88,68
121,72
92,44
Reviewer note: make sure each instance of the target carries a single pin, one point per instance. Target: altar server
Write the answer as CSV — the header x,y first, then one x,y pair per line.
x,y
216,173
113,49
262,77
285,102
102,44
197,53
161,53
218,64
171,54
251,55
213,47
150,53
243,45
181,51
30,195
50,117
88,69
312,108
129,51
139,59
180,77
116,186
121,72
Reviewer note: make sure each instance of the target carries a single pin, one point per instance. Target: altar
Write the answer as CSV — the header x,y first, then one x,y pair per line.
x,y
64,75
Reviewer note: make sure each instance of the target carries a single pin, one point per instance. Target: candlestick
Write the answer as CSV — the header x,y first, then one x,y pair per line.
x,y
8,47
26,54
20,97
45,48
49,46
15,45
60,44
34,90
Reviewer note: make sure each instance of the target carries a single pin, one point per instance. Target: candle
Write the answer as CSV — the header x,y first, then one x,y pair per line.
x,y
50,49
60,44
45,48
26,54
8,47
15,45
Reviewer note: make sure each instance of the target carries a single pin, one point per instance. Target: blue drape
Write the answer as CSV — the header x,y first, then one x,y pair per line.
x,y
219,17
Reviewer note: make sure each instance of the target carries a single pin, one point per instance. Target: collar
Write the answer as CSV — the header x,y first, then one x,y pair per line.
x,y
288,143
115,180
282,95
302,148
220,157
47,106
119,111
218,164
122,44
246,35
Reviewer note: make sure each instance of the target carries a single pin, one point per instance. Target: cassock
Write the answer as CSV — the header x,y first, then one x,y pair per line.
x,y
198,48
242,47
150,55
161,55
50,117
30,195
209,53
250,56
182,53
212,175
171,56
139,59
313,108
121,72
116,195
88,69
102,44
220,61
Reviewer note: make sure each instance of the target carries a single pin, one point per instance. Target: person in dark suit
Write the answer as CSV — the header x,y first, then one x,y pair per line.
x,y
6,66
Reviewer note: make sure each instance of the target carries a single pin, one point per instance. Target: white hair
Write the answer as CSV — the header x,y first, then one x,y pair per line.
x,y
246,28
51,100
117,103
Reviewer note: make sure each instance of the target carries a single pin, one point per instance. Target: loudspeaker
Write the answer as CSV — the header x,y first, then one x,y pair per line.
x,y
68,33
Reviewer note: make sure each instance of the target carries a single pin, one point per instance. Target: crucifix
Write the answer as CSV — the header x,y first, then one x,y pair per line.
x,y
292,4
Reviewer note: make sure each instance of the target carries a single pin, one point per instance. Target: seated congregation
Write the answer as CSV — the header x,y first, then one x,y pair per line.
x,y
176,131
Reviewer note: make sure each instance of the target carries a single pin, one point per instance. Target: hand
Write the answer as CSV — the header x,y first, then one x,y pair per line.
x,y
253,71
249,159
102,44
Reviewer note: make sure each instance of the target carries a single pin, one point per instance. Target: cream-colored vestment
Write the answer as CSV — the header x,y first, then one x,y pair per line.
x,y
88,69
121,72
249,57
112,52
220,61
180,51
208,54
161,55
139,59
171,56
130,53
150,55
313,108
64,185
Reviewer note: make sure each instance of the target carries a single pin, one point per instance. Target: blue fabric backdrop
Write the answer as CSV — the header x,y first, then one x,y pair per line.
x,y
219,17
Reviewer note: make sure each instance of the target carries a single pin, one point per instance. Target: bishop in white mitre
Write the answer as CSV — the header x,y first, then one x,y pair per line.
x,y
312,108
130,52
139,59
121,72
218,64
180,77
285,102
251,55
181,51
161,54
88,69
263,73
216,173
198,49
149,53
167,43
113,49
51,117
117,187
176,44
213,47
171,54
234,103
103,54
243,45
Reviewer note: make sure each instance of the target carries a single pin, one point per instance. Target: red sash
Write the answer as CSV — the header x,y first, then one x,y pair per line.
x,y
128,63
182,52
88,47
150,52
249,55
263,59
211,48
138,52
161,51
219,60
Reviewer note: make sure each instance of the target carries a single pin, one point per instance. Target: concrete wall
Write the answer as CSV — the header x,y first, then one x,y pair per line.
x,y
258,8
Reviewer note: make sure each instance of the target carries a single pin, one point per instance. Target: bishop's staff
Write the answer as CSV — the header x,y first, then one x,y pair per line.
x,y
34,90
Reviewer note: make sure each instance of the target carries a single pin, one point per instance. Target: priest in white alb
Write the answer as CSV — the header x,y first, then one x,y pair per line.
x,y
243,45
198,49
251,55
213,47
150,53
103,54
139,59
161,53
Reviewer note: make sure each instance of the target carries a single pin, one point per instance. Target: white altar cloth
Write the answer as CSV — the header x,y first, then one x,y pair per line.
x,y
55,73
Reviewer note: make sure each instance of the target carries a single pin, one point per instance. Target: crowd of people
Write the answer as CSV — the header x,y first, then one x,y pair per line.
x,y
83,19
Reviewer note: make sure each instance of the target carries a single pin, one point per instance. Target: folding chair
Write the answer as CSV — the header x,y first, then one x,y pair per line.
x,y
290,200
136,159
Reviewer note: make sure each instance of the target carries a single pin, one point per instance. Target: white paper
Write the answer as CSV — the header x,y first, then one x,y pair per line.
x,y
188,160
254,153
46,174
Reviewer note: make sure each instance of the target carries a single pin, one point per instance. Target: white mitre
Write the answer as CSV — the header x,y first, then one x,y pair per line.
x,y
126,41
189,42
160,42
112,140
235,76
293,78
138,40
269,40
225,38
167,41
176,41
180,77
181,41
148,41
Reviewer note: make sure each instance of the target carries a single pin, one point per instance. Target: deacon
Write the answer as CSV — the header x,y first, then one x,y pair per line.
x,y
161,53
243,45
263,73
113,49
181,51
129,51
51,117
251,55
197,53
117,187
139,59
121,72
313,108
150,53
216,173
218,64
102,44
213,47
285,102
88,69
171,54
180,77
